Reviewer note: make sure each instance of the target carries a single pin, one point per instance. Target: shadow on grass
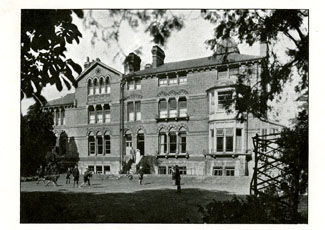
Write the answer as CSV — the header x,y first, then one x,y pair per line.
x,y
145,206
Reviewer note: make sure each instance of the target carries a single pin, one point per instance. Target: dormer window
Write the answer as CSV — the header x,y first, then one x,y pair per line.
x,y
172,80
163,81
134,84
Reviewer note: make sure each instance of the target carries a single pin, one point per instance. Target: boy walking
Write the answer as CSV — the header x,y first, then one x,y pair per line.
x,y
87,176
67,181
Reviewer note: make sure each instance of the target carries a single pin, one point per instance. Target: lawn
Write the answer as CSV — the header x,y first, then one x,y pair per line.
x,y
124,201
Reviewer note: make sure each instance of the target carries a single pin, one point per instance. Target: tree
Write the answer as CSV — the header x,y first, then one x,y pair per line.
x,y
37,138
269,27
158,23
44,36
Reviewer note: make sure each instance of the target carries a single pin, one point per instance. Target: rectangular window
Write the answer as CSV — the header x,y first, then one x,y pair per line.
x,y
128,140
138,84
170,169
107,169
182,80
182,142
91,168
217,171
162,81
182,170
182,107
239,140
99,116
92,117
162,109
138,110
130,108
230,171
275,131
229,140
99,145
130,85
223,98
99,169
107,145
172,108
107,115
172,80
172,140
97,89
212,101
91,91
222,73
91,145
162,143
219,136
102,88
162,170
63,117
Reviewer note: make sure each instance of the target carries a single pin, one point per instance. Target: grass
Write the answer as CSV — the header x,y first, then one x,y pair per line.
x,y
123,201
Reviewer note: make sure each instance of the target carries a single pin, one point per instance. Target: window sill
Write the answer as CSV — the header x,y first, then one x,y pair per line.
x,y
173,155
167,119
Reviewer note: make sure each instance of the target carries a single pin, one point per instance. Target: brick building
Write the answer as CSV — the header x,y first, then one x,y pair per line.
x,y
174,112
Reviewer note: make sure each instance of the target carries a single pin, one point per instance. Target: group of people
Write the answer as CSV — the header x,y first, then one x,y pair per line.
x,y
51,174
76,174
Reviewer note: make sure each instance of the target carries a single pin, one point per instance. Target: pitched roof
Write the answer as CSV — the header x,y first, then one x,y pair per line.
x,y
92,65
195,63
67,99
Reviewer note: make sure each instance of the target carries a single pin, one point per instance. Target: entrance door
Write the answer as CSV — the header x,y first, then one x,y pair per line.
x,y
140,142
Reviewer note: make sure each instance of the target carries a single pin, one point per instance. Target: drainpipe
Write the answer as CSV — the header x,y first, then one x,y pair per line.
x,y
122,149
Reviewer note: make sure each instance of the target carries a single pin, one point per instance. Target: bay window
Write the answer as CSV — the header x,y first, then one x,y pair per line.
x,y
99,140
162,141
223,98
172,141
107,114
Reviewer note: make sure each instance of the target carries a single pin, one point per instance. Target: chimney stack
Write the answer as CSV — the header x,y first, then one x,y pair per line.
x,y
158,56
132,63
86,64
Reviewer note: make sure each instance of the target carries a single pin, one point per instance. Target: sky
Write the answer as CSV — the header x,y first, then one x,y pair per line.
x,y
188,43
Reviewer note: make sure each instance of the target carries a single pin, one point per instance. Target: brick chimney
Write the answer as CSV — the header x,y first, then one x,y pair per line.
x,y
87,63
158,56
132,63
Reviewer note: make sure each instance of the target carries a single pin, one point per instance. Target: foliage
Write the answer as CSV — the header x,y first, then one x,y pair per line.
x,y
158,23
37,138
270,27
148,163
252,210
44,36
294,144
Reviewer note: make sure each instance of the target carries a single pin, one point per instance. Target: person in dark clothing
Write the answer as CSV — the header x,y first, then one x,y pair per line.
x,y
87,176
67,181
177,179
75,174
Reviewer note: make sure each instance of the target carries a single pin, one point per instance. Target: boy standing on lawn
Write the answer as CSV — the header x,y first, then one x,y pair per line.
x,y
75,174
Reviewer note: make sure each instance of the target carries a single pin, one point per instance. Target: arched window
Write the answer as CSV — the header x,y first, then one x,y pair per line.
x,y
107,140
102,86
91,115
108,86
162,108
99,114
99,140
90,87
140,141
107,114
91,144
182,140
96,86
172,141
172,108
162,142
182,105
